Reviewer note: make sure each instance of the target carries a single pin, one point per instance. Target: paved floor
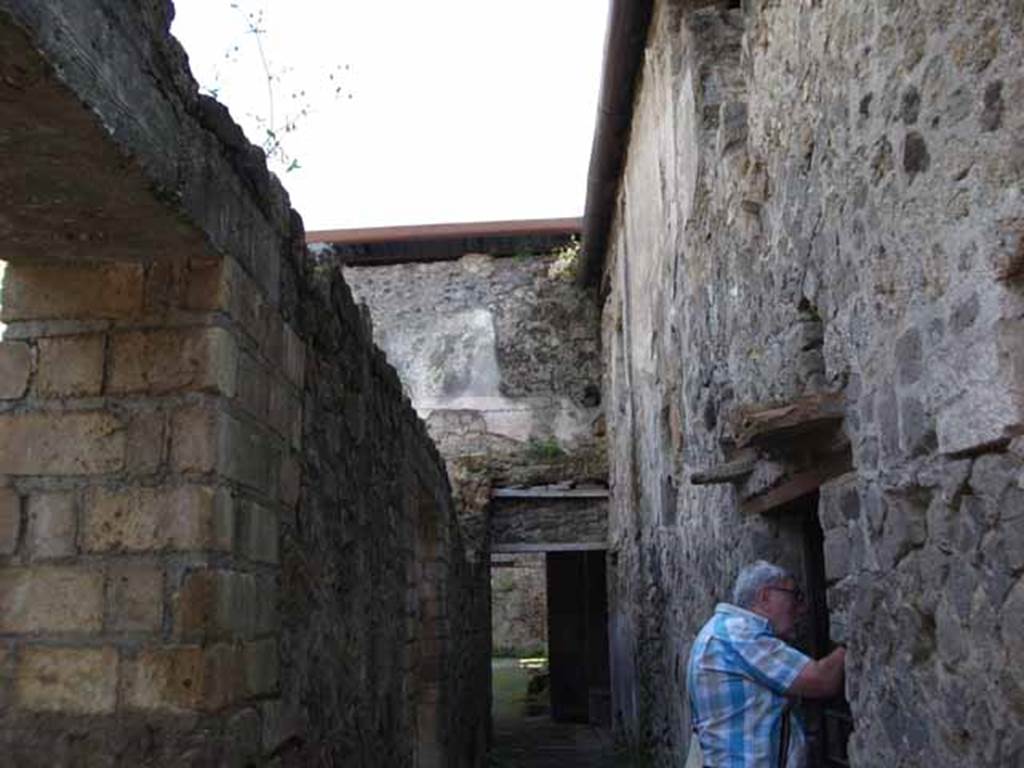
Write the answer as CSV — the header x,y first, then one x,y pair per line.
x,y
537,742
524,740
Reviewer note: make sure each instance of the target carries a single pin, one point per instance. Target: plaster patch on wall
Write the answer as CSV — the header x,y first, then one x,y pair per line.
x,y
453,358
497,339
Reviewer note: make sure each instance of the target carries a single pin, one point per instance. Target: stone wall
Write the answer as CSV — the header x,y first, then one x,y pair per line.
x,y
825,197
548,523
225,536
384,648
490,349
500,356
519,624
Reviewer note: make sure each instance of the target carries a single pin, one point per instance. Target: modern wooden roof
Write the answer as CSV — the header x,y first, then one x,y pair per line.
x,y
439,242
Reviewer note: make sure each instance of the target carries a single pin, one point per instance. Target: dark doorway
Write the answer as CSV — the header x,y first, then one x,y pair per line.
x,y
828,723
578,636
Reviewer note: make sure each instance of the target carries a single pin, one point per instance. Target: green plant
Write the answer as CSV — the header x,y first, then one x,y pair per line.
x,y
566,261
544,448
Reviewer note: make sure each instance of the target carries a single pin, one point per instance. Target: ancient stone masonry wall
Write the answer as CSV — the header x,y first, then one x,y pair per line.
x,y
826,196
522,523
519,625
500,357
225,536
378,618
494,352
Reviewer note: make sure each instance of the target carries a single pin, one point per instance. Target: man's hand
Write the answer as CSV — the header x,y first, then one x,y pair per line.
x,y
821,679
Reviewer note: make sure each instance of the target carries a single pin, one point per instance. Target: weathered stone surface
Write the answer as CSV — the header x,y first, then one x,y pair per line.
x,y
215,603
10,520
1013,631
515,523
290,485
52,525
172,678
134,598
188,517
261,661
260,540
837,554
285,413
166,360
60,443
72,291
519,605
293,356
50,599
197,438
70,366
15,368
503,338
864,195
146,443
79,680
242,733
205,439
253,386
249,455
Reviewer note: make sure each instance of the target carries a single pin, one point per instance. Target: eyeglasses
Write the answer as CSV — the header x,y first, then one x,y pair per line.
x,y
798,595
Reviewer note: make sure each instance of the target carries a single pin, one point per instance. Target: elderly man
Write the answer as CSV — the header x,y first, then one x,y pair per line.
x,y
742,675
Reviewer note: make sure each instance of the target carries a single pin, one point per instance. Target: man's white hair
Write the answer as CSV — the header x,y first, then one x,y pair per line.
x,y
755,576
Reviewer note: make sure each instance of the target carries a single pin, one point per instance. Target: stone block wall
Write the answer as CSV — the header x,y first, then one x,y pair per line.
x,y
225,536
144,489
825,196
386,655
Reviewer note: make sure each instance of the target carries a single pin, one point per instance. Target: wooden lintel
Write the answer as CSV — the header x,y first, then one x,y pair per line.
x,y
549,493
579,546
729,472
798,485
754,425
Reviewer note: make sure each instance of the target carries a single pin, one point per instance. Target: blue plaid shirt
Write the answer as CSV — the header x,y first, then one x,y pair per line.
x,y
737,675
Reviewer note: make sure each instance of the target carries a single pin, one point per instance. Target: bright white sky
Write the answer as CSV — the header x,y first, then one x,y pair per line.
x,y
460,110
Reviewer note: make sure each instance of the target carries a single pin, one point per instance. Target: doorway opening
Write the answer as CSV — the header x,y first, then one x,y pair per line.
x,y
549,623
519,637
828,722
578,637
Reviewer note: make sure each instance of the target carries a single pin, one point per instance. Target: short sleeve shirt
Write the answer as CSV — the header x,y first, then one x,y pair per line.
x,y
737,675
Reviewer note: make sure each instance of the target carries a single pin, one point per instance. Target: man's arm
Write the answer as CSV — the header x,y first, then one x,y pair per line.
x,y
821,679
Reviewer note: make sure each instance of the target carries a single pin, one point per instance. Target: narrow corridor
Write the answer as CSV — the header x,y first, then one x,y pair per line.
x,y
526,737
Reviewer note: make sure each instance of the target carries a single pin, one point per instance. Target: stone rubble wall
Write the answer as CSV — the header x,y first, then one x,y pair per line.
x,y
826,196
537,522
225,536
381,619
501,338
519,620
500,356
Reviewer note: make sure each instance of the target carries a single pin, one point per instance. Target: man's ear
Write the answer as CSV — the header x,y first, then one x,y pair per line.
x,y
761,595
